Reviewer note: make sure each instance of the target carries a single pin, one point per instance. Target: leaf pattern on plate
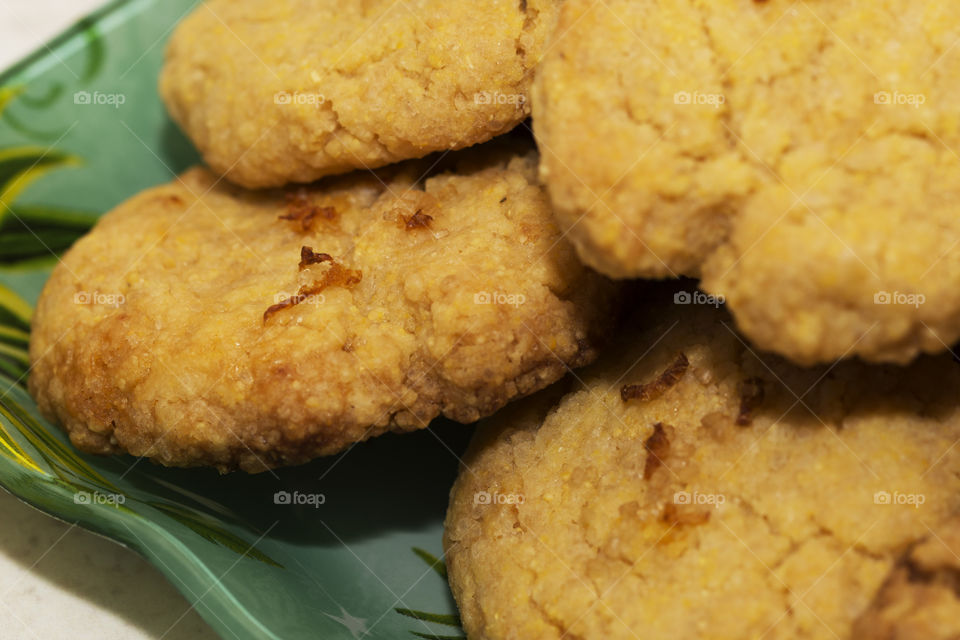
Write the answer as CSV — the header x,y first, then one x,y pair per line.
x,y
95,52
32,231
62,460
209,528
15,316
190,526
72,472
446,619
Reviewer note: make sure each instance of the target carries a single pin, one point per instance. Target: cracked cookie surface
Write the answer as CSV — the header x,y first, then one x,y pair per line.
x,y
920,599
799,157
690,489
201,324
273,92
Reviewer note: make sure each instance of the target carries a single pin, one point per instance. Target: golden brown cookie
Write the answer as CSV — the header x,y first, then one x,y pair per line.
x,y
690,489
200,324
278,91
800,158
919,599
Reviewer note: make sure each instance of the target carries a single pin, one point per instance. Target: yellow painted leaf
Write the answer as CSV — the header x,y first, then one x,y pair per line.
x,y
10,448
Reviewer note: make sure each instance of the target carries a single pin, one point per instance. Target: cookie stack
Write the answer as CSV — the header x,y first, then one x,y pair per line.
x,y
273,312
772,455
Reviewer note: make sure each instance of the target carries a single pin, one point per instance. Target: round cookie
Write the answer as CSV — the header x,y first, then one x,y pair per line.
x,y
279,91
800,159
688,488
199,324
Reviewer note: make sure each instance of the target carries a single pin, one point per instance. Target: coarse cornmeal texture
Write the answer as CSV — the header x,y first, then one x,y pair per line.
x,y
920,599
199,324
279,91
799,157
737,498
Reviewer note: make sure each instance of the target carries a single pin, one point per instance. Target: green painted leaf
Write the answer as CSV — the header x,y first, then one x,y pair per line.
x,y
53,92
15,353
15,307
16,372
440,618
7,95
62,459
30,216
12,449
433,636
44,263
20,166
24,129
432,561
209,529
12,335
95,49
21,246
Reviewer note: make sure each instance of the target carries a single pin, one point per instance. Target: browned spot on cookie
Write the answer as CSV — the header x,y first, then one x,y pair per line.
x,y
629,509
280,306
655,389
309,257
714,421
751,397
675,516
304,214
419,220
657,446
335,276
171,199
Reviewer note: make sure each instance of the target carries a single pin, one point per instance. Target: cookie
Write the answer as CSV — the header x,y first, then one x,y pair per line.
x,y
800,159
689,488
200,324
273,92
919,599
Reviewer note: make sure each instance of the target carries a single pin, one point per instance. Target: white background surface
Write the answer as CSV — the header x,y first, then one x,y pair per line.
x,y
58,581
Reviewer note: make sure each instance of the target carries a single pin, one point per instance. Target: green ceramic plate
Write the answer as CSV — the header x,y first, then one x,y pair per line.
x,y
342,548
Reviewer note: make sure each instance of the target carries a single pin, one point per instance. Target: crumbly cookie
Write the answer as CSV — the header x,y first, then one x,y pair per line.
x,y
689,489
199,324
279,91
800,158
919,599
